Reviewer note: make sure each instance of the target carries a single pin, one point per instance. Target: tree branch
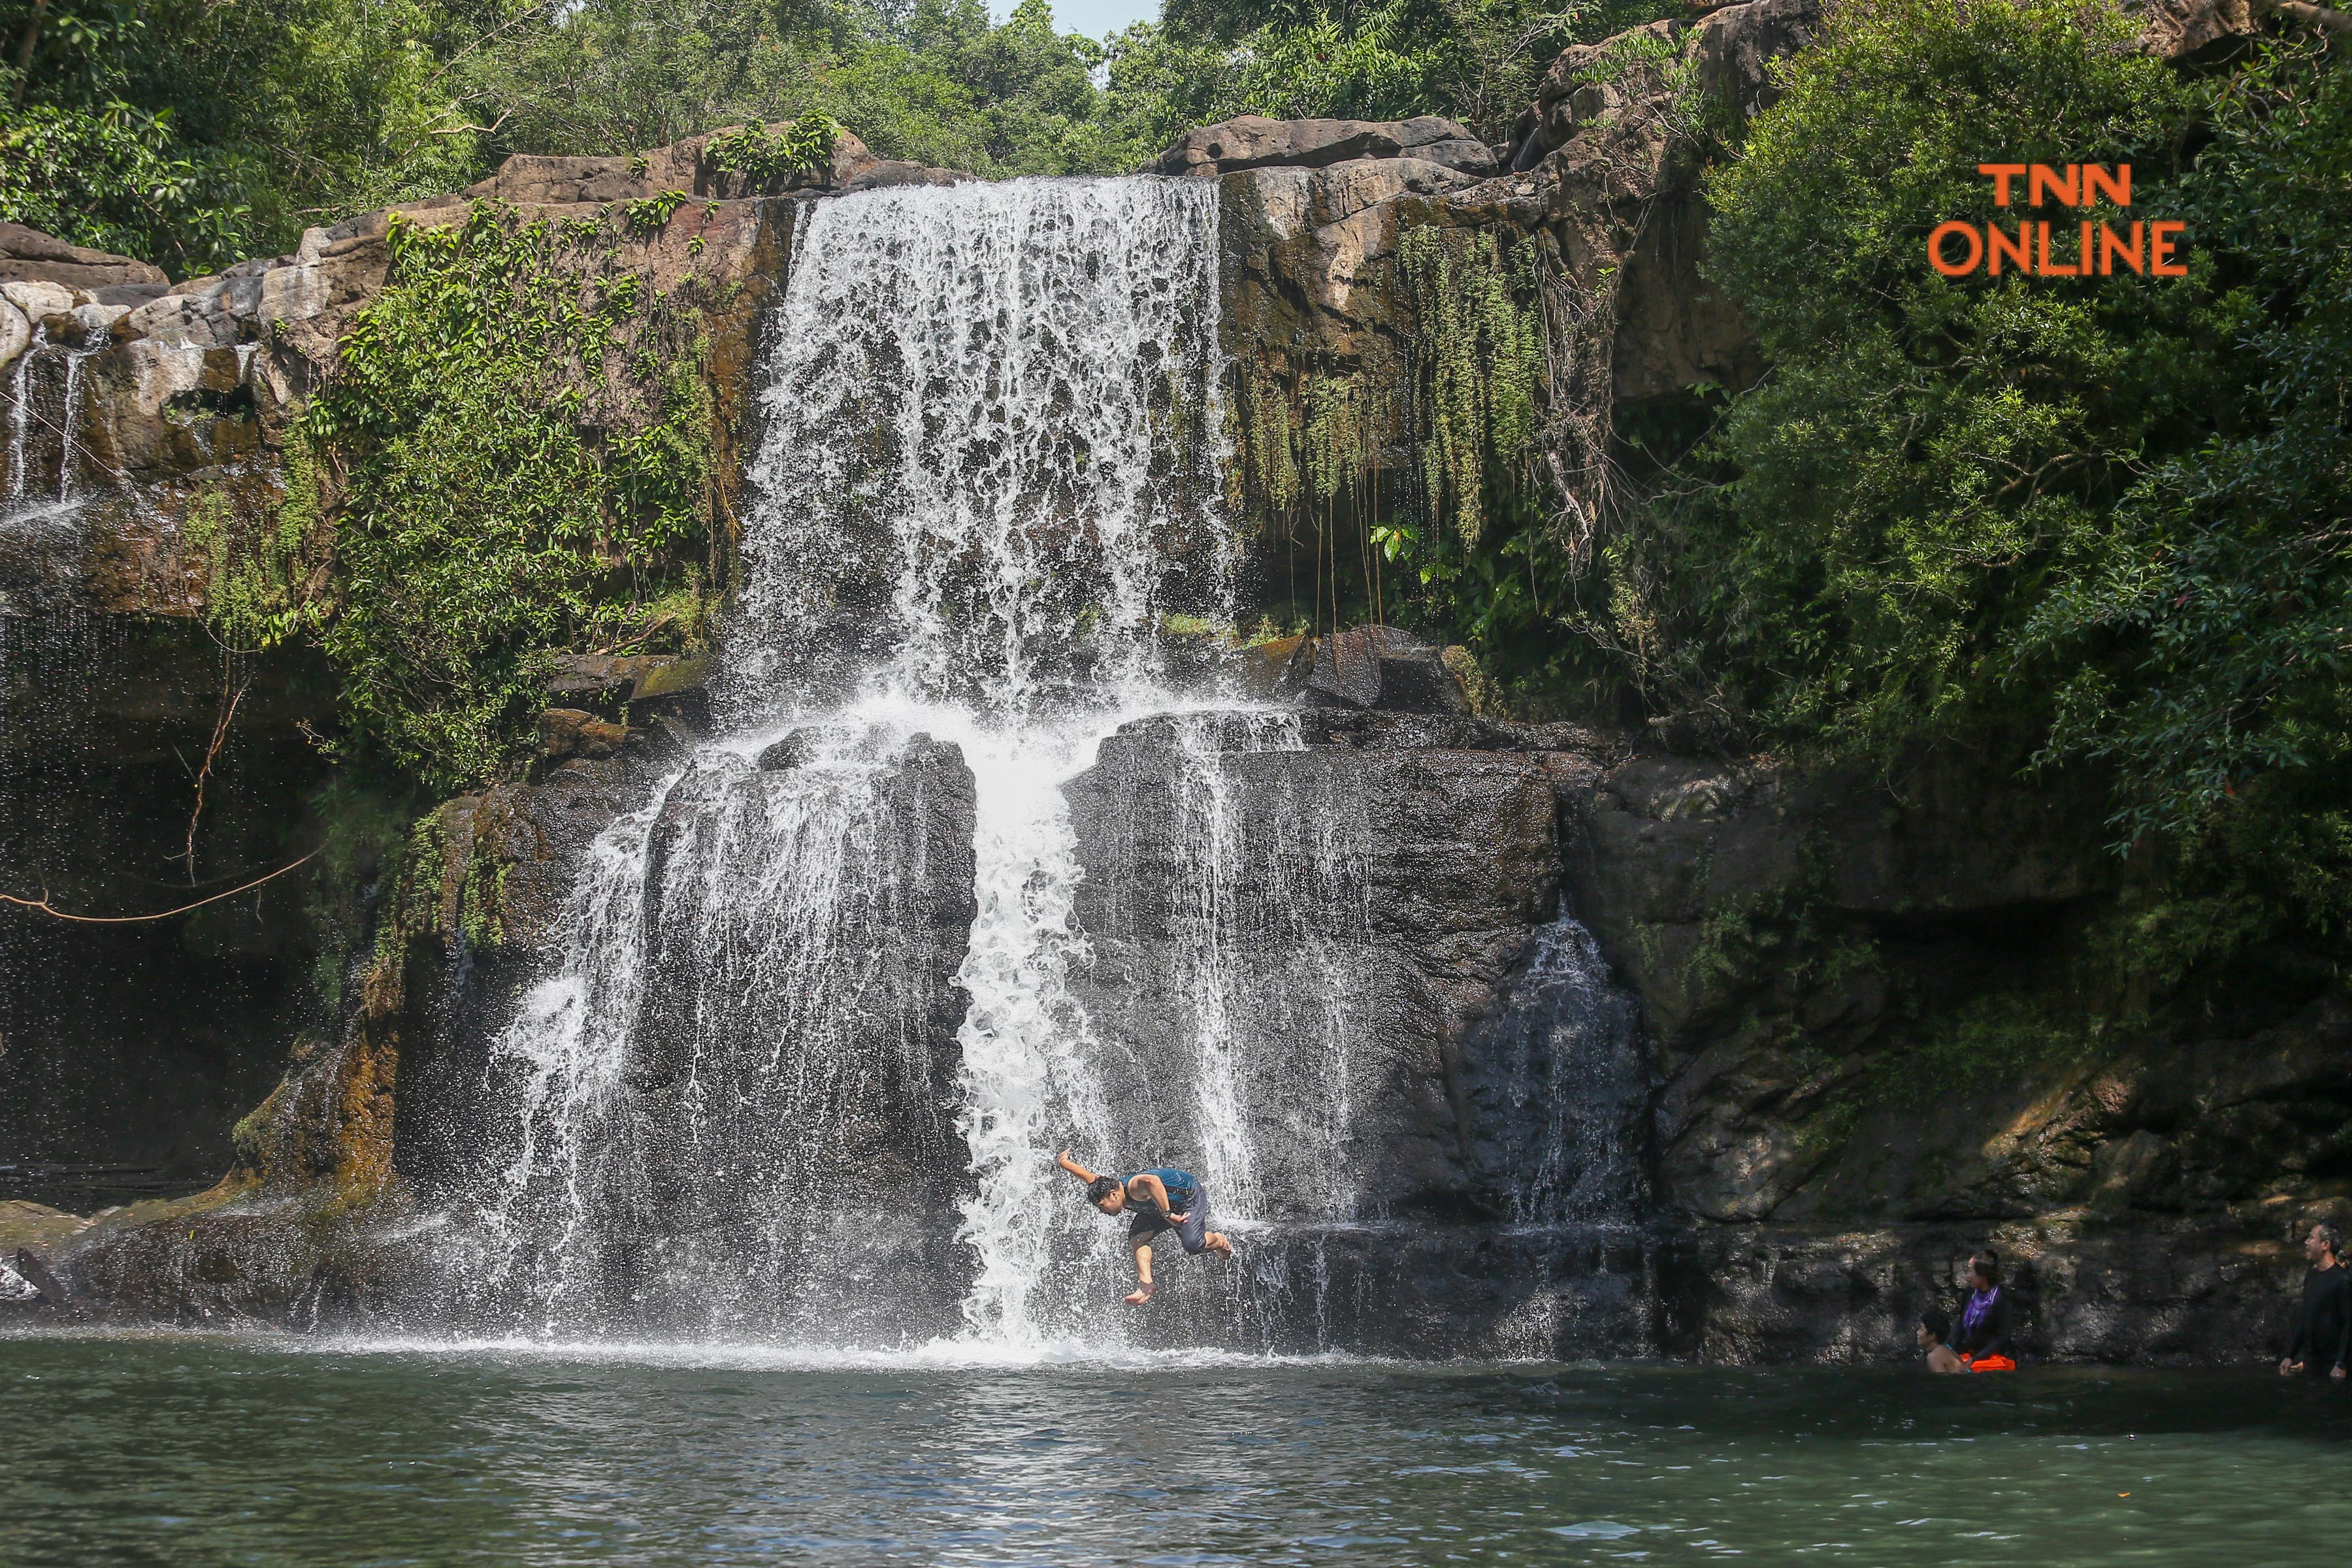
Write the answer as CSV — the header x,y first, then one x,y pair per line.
x,y
2320,16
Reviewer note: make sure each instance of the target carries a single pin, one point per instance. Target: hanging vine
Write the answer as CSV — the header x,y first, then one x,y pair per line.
x,y
1478,365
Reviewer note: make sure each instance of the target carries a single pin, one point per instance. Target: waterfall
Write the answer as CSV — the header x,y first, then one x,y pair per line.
x,y
733,1078
986,859
1559,1072
34,379
987,478
990,464
20,414
68,420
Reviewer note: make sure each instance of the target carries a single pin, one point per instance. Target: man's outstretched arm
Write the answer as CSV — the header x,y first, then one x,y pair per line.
x,y
1064,1160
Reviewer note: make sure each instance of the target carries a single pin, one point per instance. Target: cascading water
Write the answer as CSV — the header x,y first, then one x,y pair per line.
x,y
45,410
1225,832
20,419
1559,1069
988,477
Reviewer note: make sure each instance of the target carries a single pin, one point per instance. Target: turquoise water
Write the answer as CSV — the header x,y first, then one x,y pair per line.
x,y
200,1450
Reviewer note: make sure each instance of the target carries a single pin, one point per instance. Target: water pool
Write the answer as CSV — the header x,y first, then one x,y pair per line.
x,y
193,1449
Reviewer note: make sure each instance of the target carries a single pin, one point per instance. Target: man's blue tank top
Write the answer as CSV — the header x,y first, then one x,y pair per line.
x,y
1183,1190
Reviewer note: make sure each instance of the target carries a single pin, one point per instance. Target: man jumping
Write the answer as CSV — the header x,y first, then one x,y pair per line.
x,y
1160,1199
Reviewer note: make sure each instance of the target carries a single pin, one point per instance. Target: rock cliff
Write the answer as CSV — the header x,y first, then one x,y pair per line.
x,y
1827,1035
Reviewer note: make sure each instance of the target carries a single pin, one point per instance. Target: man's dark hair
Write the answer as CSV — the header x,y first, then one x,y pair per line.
x,y
1101,1187
1939,1326
1987,1263
2330,1237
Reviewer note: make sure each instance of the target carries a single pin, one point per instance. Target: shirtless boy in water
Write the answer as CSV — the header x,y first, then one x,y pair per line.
x,y
1161,1199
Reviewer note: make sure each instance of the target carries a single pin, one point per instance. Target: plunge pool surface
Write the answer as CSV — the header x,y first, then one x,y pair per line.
x,y
180,1449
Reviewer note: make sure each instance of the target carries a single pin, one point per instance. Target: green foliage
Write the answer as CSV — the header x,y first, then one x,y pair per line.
x,y
363,822
1463,548
191,132
754,149
1955,497
2000,1038
1476,61
2208,621
509,479
650,214
934,81
119,180
1627,55
1892,499
260,568
2097,519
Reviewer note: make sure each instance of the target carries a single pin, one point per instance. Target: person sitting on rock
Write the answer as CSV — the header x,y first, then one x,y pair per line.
x,y
2323,1333
1163,1198
1985,1316
1935,1335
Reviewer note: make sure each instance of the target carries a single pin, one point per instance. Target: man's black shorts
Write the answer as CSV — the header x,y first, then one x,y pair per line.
x,y
1193,1233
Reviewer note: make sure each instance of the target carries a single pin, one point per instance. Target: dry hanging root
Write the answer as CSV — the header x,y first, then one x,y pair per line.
x,y
212,755
43,904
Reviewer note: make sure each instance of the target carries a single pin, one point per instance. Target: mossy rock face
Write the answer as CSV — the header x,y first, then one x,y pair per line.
x,y
671,680
36,1225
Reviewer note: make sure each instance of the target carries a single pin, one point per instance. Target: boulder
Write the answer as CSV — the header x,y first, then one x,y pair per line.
x,y
805,744
1613,83
569,731
2171,29
39,299
15,333
28,256
1254,141
34,1270
608,678
673,688
1380,666
1734,48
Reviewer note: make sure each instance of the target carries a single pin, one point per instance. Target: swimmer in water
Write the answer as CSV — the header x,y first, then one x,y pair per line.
x,y
1163,1198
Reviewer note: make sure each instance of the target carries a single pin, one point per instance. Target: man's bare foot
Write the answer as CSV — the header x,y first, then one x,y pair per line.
x,y
1219,1245
1140,1295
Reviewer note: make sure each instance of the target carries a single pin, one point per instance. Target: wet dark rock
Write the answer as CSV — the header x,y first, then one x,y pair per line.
x,y
250,1258
677,687
34,1271
870,1143
1554,1089
1380,666
136,1047
784,755
1403,882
